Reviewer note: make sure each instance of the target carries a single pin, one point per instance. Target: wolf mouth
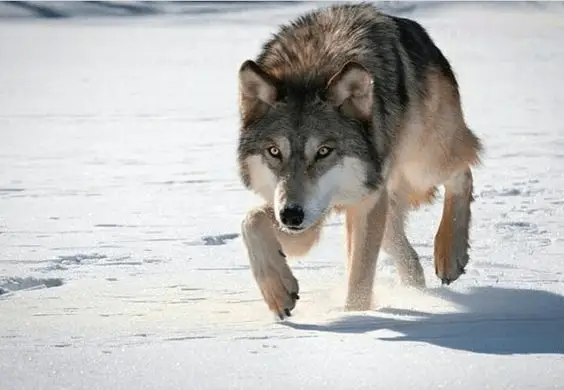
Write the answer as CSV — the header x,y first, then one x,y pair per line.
x,y
292,229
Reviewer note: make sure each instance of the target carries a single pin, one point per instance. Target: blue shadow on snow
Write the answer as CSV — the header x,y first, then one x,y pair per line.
x,y
492,321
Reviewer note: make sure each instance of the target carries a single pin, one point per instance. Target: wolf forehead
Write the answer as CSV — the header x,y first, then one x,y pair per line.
x,y
302,117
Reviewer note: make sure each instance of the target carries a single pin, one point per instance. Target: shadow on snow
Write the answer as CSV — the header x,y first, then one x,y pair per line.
x,y
493,321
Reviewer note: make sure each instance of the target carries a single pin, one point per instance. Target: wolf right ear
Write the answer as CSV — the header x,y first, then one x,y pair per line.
x,y
351,89
256,89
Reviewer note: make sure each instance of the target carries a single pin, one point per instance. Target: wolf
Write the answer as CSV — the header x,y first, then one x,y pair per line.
x,y
347,109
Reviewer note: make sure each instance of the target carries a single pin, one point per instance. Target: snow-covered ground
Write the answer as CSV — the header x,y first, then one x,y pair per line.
x,y
121,265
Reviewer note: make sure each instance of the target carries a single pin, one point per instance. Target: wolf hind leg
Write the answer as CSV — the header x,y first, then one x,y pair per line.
x,y
451,239
396,244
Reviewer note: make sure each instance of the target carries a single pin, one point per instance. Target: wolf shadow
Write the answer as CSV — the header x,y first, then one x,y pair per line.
x,y
492,320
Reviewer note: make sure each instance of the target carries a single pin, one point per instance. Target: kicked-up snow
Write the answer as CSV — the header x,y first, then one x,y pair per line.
x,y
121,264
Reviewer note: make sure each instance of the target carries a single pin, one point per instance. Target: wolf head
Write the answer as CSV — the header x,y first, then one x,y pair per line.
x,y
307,143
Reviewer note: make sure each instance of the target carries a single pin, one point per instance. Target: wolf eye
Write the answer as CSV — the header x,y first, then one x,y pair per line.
x,y
274,151
323,152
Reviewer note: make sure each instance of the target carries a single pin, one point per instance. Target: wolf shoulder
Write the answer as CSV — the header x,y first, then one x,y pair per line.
x,y
421,49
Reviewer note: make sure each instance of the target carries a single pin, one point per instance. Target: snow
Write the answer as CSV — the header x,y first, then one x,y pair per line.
x,y
121,264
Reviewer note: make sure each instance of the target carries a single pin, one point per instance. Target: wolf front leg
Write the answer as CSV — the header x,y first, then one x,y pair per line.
x,y
366,223
277,284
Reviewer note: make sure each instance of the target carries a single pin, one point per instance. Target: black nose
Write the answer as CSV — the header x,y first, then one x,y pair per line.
x,y
292,215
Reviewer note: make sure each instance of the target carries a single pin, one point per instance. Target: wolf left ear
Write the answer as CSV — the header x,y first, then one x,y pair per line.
x,y
351,89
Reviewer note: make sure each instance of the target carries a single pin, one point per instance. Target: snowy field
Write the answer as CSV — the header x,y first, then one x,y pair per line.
x,y
121,264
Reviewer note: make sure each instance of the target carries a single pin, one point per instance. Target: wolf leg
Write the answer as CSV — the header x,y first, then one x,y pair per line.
x,y
365,228
451,240
267,256
397,245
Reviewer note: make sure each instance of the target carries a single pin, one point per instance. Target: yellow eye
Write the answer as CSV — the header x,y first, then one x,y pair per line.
x,y
323,151
274,151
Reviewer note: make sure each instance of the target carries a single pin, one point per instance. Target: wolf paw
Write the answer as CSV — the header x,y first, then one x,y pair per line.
x,y
449,270
359,299
412,275
279,299
279,289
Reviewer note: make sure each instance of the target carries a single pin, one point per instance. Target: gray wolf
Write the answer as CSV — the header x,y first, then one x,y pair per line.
x,y
349,110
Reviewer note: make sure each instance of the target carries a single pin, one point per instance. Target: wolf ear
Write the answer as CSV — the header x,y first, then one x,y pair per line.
x,y
255,86
351,89
256,91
